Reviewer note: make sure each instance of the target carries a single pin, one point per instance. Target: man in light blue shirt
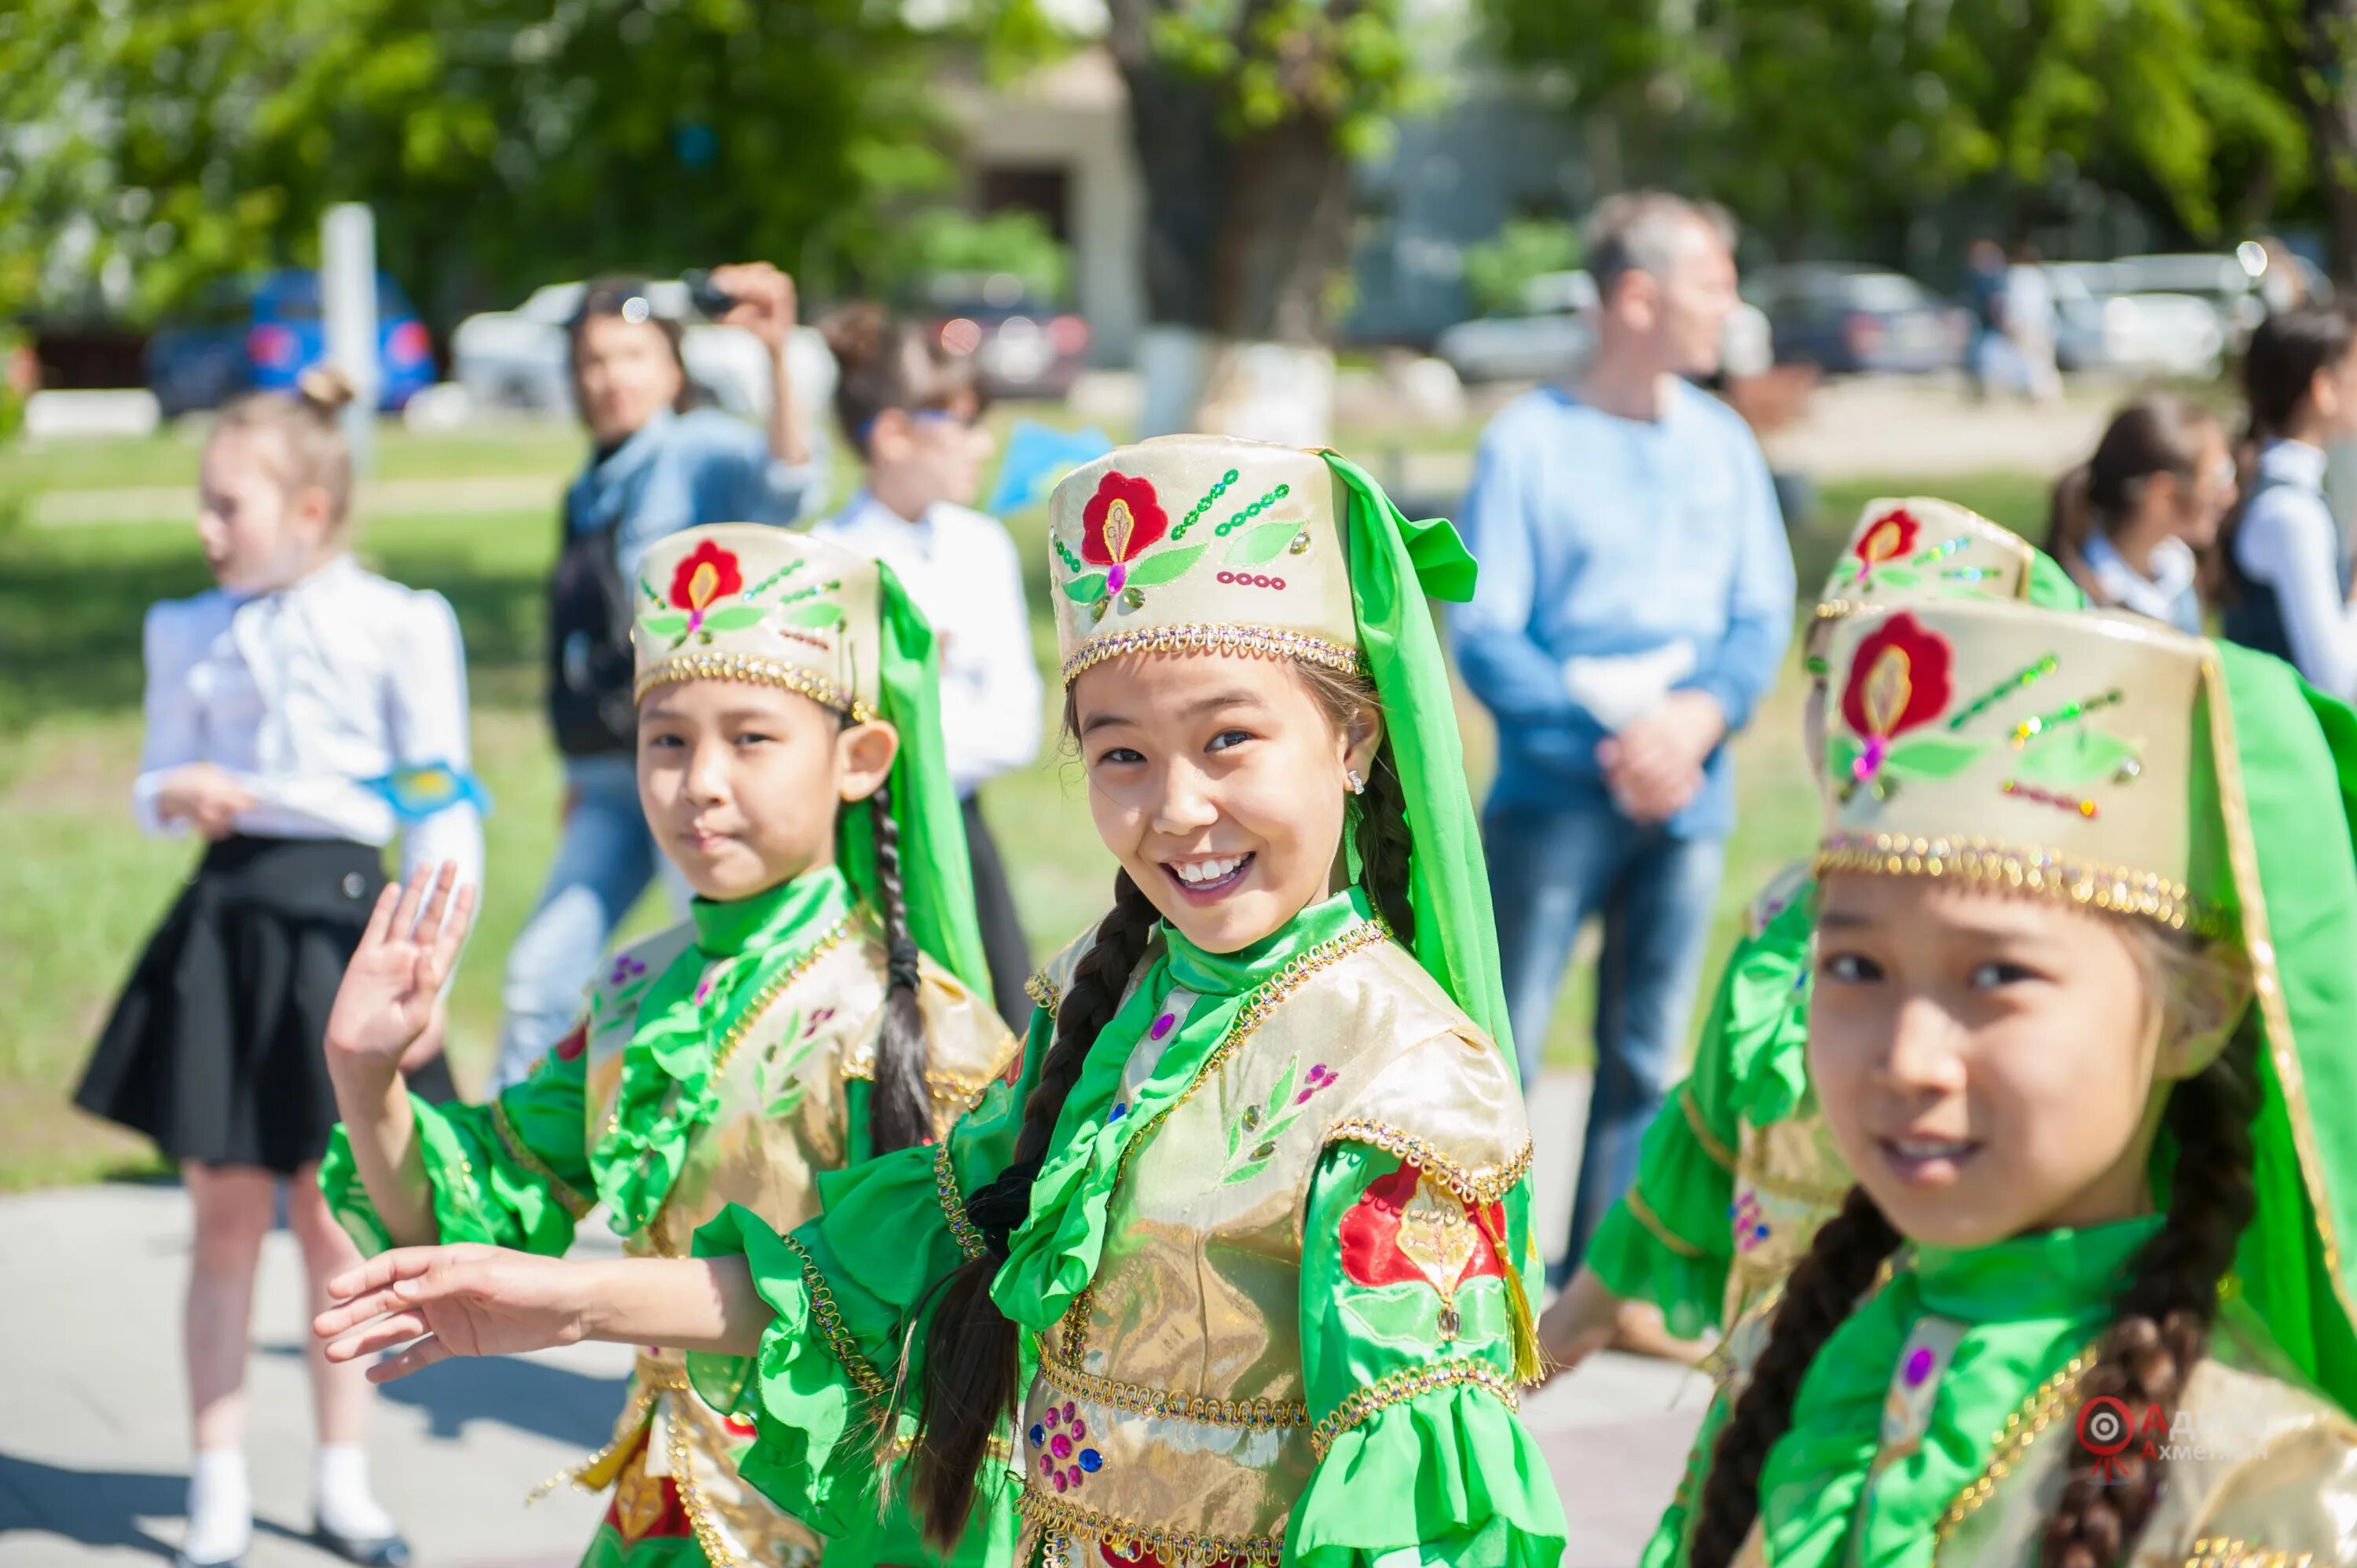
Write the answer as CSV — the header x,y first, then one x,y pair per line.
x,y
1635,599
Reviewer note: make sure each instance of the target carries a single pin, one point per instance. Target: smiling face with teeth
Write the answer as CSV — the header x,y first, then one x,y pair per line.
x,y
1992,1064
1219,783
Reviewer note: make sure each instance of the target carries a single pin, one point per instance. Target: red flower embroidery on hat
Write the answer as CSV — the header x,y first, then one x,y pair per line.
x,y
708,573
1121,520
1898,679
1893,535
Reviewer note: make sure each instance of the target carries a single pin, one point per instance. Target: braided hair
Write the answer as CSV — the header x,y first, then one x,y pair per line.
x,y
969,1350
2160,1325
901,1108
971,1364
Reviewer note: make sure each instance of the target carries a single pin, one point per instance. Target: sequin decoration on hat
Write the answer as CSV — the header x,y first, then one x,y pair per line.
x,y
1200,543
1914,548
2037,750
741,601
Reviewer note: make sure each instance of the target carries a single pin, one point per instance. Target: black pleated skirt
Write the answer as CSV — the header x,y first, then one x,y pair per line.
x,y
216,1047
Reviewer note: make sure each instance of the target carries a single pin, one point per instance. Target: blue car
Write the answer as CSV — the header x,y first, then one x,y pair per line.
x,y
258,333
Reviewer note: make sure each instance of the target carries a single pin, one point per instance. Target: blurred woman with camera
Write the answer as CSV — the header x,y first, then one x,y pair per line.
x,y
657,464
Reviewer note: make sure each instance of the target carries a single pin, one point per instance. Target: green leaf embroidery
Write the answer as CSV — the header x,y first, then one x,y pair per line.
x,y
1086,590
785,1102
1283,1091
2075,758
664,623
1932,756
649,589
1243,1173
1264,542
1166,567
825,613
1841,757
734,617
1893,577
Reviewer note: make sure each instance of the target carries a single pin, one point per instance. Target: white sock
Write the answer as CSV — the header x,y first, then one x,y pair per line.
x,y
345,1504
220,1507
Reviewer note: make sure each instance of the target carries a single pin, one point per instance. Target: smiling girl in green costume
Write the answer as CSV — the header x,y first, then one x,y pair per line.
x,y
1737,1171
2081,1024
811,1013
1234,1264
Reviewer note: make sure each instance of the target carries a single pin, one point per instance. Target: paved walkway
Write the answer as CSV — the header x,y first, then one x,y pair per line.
x,y
93,1446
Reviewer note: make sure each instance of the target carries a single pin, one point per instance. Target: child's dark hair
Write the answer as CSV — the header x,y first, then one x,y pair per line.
x,y
2160,1331
611,297
970,1352
2158,433
2285,354
312,452
883,363
900,1106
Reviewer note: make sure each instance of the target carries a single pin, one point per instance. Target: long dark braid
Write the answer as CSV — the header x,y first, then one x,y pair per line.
x,y
1823,1291
971,1348
2160,1329
1384,845
901,1108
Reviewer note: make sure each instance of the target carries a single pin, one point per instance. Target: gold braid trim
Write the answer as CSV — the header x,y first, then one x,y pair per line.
x,y
1721,1155
946,1086
1406,1384
1644,1215
2022,1428
830,1324
1139,1399
1248,641
1471,1187
1044,994
2233,1552
559,1188
945,1187
1063,1517
753,672
2118,889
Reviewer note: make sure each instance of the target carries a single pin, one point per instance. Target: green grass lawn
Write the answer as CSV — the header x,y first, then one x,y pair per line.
x,y
84,888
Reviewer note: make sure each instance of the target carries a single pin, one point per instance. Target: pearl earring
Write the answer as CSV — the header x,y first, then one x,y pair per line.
x,y
1358,784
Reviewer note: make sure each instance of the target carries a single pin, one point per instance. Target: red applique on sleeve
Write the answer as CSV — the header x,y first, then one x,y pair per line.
x,y
1370,1234
570,1048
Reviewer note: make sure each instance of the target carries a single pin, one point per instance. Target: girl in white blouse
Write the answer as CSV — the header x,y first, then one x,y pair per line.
x,y
299,718
913,411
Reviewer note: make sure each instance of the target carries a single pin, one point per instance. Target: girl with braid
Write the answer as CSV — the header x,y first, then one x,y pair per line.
x,y
825,1002
2080,1026
1738,1171
1232,1269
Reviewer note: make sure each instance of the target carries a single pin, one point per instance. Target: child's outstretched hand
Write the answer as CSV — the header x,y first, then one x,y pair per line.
x,y
391,989
461,1300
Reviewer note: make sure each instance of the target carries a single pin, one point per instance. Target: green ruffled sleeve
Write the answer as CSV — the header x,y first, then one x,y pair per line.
x,y
515,1173
1670,1238
1419,1448
852,1291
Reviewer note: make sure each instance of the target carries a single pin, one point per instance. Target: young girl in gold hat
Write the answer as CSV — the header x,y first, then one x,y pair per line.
x,y
2080,1022
824,1004
1233,1268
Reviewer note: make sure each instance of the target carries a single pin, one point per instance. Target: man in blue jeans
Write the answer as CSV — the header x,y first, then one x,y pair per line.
x,y
1634,601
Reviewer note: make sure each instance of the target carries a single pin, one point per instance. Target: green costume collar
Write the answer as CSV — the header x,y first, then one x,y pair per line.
x,y
1186,999
2046,1273
689,1016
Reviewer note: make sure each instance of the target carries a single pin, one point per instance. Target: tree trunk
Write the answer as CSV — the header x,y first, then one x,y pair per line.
x,y
2330,87
1246,237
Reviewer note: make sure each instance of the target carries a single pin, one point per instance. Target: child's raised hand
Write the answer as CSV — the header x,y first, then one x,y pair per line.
x,y
392,987
461,1300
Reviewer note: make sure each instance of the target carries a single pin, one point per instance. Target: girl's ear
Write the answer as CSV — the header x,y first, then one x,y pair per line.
x,y
1361,739
863,758
889,436
313,511
2206,1002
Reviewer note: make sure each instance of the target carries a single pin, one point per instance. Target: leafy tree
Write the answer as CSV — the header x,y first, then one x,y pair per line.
x,y
945,239
1497,270
1850,116
502,142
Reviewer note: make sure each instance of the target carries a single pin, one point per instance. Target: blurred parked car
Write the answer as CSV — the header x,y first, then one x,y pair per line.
x,y
260,332
1023,347
519,360
2101,327
2224,283
1547,334
1844,317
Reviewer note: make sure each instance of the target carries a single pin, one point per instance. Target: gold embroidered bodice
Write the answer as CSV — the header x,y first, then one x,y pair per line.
x,y
782,1117
1181,1367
